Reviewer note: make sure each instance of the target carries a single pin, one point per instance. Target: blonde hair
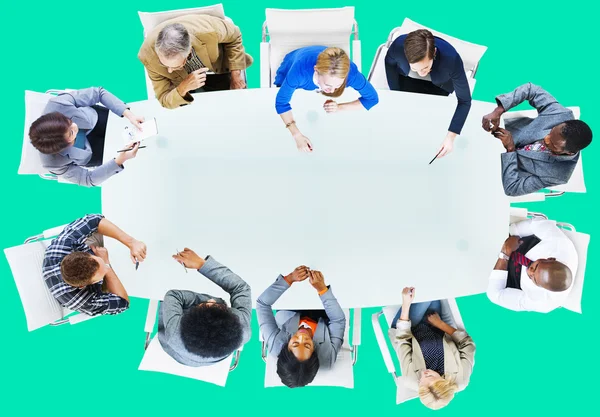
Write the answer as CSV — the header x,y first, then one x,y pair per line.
x,y
334,62
438,394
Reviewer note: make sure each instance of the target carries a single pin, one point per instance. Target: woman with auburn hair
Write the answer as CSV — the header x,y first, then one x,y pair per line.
x,y
435,358
422,63
327,70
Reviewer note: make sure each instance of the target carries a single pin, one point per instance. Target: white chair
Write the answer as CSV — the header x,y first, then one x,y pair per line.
x,y
289,30
26,262
404,393
469,52
157,360
581,241
576,183
152,19
340,375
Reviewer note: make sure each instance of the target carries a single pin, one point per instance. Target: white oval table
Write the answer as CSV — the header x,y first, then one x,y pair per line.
x,y
223,177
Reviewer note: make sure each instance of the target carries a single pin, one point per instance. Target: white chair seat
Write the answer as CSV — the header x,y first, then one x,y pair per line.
x,y
340,375
581,242
157,360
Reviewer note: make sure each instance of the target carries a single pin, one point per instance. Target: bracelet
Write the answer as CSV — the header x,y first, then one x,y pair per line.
x,y
287,125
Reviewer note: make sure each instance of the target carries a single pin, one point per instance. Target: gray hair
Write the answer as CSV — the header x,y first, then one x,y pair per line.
x,y
173,40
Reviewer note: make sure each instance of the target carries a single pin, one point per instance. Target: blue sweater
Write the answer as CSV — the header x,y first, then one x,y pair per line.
x,y
447,73
297,70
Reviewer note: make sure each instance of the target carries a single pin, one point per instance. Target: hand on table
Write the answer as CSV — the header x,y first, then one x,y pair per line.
x,y
101,252
511,244
137,251
237,82
297,275
303,143
135,120
506,138
408,295
189,259
125,156
317,281
331,106
447,145
193,81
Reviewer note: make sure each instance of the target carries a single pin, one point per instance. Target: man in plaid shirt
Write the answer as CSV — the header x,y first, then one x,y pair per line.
x,y
78,273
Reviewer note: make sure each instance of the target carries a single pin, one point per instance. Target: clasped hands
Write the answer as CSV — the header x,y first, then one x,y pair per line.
x,y
491,123
137,251
302,272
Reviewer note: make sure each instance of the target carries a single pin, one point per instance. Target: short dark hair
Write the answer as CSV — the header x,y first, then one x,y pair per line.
x,y
294,373
577,135
211,331
78,269
48,134
418,45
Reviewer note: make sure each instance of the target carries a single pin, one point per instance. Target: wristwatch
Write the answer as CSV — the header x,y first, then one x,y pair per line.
x,y
504,256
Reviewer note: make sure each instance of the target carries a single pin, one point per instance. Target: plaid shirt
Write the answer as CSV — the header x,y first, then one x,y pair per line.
x,y
89,300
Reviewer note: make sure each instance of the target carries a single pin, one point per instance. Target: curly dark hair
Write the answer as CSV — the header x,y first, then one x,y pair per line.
x,y
577,135
211,331
78,269
294,373
48,134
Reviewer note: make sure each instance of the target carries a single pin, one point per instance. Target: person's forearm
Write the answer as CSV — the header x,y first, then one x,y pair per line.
x,y
114,285
501,265
446,328
108,229
405,310
351,105
287,118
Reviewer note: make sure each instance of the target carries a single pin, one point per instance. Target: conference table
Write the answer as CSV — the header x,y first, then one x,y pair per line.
x,y
223,177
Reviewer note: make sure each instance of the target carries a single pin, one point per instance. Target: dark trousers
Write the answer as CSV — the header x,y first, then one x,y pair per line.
x,y
97,136
412,85
215,82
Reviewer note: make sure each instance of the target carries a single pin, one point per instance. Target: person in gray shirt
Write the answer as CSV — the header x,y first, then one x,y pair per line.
x,y
199,329
540,152
70,135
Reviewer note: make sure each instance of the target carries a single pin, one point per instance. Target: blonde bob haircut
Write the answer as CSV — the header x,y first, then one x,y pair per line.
x,y
438,394
336,63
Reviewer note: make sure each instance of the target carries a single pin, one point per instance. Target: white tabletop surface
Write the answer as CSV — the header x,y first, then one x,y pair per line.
x,y
224,178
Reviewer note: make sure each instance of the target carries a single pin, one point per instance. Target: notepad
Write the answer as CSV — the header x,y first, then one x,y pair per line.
x,y
149,129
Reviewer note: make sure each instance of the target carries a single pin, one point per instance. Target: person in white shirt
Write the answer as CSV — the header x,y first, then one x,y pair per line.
x,y
535,269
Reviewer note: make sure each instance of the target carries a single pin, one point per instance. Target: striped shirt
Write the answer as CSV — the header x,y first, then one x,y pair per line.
x,y
193,63
89,300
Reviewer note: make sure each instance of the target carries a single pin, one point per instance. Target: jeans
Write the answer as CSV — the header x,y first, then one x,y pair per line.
x,y
417,312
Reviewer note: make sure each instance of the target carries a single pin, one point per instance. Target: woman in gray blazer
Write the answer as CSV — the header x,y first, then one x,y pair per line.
x,y
70,135
436,359
303,340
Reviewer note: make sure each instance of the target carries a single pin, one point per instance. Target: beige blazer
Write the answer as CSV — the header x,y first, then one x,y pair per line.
x,y
459,355
217,42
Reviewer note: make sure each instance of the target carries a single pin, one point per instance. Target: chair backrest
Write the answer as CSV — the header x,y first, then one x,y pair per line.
x,y
35,103
581,242
340,375
293,29
152,19
157,360
26,261
470,53
576,183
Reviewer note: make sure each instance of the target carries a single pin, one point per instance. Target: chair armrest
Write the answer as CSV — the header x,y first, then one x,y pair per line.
x,y
265,65
151,316
528,198
357,54
387,358
356,329
80,317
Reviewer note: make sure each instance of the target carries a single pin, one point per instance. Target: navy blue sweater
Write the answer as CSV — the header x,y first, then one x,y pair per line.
x,y
447,73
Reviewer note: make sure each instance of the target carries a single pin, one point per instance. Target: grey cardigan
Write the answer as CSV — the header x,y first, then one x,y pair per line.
x,y
327,339
69,162
177,302
525,172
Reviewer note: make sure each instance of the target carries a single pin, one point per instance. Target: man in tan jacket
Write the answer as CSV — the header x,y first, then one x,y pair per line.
x,y
178,53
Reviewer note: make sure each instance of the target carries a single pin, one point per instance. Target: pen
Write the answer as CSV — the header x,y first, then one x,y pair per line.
x,y
137,265
182,264
435,157
130,149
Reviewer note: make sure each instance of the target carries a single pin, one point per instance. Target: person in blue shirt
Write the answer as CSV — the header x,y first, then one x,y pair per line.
x,y
327,70
421,63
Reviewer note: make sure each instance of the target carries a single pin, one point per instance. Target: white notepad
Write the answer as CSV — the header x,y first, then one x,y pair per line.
x,y
149,129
